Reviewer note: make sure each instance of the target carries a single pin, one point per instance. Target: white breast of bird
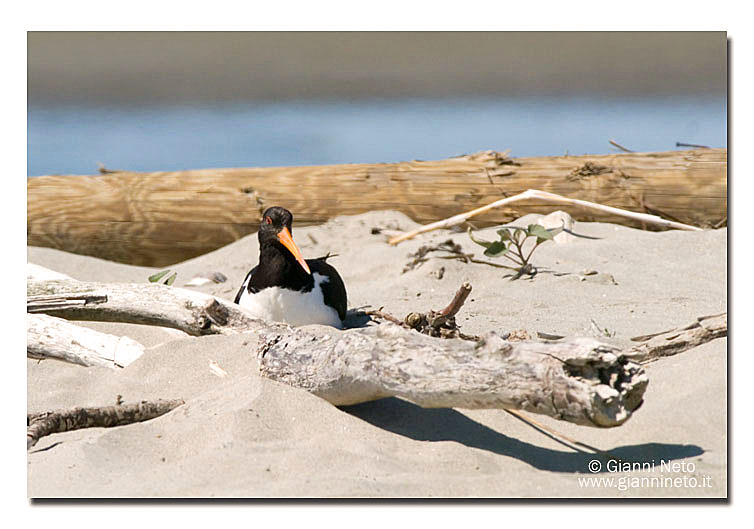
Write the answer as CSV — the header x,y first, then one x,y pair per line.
x,y
291,307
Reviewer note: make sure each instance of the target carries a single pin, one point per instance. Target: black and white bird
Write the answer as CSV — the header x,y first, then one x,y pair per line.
x,y
284,287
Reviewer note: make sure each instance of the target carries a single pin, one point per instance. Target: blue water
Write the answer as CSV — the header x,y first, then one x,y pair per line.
x,y
72,140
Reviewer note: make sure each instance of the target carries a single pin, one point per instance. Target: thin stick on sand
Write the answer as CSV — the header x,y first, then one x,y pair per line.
x,y
42,424
547,197
621,147
458,300
674,341
554,434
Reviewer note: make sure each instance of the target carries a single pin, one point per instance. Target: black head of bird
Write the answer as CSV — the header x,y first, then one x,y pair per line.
x,y
275,233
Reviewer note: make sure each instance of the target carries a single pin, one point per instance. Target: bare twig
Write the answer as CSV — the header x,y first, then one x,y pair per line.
x,y
674,341
42,424
379,313
555,434
419,256
457,302
440,324
621,147
104,170
679,144
547,197
496,265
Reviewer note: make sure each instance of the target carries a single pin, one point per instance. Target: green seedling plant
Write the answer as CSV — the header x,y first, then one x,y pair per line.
x,y
154,278
512,243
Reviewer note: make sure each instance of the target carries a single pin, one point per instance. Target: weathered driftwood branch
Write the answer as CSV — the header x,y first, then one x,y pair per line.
x,y
62,301
433,323
442,323
563,380
42,424
457,302
577,380
675,341
144,218
53,338
580,381
534,194
148,304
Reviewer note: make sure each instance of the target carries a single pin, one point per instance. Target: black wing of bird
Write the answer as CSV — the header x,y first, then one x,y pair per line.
x,y
245,285
334,290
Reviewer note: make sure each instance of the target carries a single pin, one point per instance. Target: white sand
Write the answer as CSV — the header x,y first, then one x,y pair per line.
x,y
247,436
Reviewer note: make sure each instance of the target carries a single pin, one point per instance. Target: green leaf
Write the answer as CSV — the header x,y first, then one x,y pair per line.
x,y
540,232
505,234
169,281
480,242
496,249
159,275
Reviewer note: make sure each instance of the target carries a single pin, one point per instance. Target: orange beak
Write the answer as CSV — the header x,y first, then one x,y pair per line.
x,y
287,240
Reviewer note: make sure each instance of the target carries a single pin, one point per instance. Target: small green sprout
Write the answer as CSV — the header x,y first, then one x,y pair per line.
x,y
511,245
154,278
607,333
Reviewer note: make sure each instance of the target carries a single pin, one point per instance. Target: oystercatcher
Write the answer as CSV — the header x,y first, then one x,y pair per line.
x,y
286,288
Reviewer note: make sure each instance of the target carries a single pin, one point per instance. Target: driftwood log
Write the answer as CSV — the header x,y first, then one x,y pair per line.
x,y
192,312
157,219
41,424
674,341
56,339
580,381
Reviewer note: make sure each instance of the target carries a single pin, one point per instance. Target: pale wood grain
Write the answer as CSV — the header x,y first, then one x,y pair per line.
x,y
157,219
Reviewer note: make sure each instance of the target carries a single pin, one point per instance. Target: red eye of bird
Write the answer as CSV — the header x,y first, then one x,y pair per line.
x,y
268,220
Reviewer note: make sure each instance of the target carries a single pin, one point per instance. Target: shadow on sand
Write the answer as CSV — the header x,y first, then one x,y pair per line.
x,y
444,424
356,318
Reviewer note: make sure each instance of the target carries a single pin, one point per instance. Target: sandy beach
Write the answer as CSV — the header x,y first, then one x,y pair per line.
x,y
246,436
